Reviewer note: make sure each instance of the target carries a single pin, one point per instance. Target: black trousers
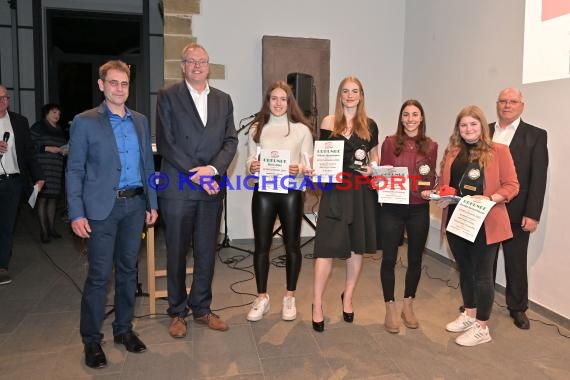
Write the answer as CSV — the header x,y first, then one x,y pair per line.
x,y
415,218
265,207
475,262
10,193
515,252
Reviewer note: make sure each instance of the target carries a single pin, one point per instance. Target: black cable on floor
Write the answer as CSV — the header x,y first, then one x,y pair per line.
x,y
60,269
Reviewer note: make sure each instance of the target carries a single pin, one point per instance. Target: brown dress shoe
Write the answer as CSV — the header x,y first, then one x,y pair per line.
x,y
177,328
213,321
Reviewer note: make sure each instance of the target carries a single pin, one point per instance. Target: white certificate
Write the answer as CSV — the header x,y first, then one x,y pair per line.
x,y
274,170
392,184
34,196
468,217
327,161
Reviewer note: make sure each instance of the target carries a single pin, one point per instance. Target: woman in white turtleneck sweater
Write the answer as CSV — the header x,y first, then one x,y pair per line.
x,y
279,124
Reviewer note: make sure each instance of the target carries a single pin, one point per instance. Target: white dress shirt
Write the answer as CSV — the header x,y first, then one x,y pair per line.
x,y
505,135
9,159
201,101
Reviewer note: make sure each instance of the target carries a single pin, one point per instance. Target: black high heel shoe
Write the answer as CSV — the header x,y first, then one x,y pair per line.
x,y
317,326
348,317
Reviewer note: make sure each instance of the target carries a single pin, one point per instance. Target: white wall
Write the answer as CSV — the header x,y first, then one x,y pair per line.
x,y
463,52
366,40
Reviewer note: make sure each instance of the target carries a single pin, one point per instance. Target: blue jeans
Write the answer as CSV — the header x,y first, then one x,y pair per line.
x,y
475,263
114,240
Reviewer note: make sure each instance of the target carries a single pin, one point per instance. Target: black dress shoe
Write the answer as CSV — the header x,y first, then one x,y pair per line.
x,y
348,317
520,319
94,355
131,341
317,326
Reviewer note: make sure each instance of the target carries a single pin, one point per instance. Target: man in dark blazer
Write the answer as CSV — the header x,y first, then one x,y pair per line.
x,y
109,200
528,146
197,140
17,161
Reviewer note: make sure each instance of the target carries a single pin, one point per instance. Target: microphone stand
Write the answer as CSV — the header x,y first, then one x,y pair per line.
x,y
246,125
226,241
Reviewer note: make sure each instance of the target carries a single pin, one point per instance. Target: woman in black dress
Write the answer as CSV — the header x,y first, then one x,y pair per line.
x,y
346,224
50,142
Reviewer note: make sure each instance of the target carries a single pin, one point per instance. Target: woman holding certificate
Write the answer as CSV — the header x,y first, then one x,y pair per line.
x,y
409,148
279,125
473,165
346,224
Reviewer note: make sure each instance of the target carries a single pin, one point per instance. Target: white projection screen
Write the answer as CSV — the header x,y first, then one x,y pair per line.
x,y
546,40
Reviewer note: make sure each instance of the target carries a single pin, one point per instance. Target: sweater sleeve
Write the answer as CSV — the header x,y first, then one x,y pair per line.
x,y
306,146
251,149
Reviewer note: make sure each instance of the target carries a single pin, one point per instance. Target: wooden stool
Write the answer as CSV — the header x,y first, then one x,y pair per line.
x,y
153,273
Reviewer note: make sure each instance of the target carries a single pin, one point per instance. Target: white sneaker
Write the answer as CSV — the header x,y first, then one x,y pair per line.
x,y
259,308
474,336
289,311
462,323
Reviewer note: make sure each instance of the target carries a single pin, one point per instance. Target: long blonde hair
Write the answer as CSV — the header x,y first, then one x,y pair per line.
x,y
360,121
482,150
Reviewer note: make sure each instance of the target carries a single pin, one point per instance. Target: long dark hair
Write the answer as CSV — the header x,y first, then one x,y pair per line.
x,y
422,141
294,113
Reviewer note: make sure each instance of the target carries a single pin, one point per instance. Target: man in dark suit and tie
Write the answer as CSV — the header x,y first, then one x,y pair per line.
x,y
17,159
109,200
197,140
528,146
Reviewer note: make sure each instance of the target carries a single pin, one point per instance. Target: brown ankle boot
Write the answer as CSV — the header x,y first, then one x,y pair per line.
x,y
391,322
408,316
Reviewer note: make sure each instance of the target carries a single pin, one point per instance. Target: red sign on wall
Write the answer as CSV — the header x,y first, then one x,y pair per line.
x,y
554,8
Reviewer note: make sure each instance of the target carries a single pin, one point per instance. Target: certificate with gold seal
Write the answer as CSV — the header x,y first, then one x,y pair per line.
x,y
327,160
468,217
274,170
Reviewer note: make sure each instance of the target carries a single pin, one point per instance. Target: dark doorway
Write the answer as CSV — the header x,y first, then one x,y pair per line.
x,y
77,44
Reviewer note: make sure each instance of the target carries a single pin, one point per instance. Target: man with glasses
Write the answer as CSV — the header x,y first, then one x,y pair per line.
x,y
197,140
109,200
528,146
17,158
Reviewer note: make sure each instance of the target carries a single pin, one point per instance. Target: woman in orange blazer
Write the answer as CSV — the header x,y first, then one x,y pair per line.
x,y
474,165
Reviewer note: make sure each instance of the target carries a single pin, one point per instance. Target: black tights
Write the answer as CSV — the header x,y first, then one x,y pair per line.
x,y
46,214
265,207
415,218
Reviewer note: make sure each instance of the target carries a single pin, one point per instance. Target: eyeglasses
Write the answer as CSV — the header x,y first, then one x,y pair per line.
x,y
504,102
5,97
193,62
116,83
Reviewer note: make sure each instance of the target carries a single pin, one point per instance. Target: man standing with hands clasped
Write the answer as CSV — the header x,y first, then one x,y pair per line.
x,y
197,140
528,146
109,200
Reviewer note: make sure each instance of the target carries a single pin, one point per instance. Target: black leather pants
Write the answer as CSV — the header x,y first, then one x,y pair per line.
x,y
265,207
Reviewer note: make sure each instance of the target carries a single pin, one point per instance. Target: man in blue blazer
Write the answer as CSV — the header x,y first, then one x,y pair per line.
x,y
197,140
109,200
528,146
17,159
